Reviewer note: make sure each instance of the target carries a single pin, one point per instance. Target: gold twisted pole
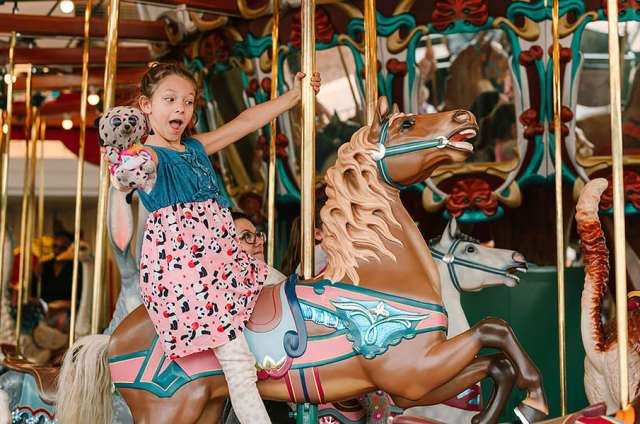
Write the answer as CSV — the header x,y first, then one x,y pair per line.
x,y
5,140
33,163
557,137
40,231
618,201
271,189
101,231
370,60
24,216
80,172
308,193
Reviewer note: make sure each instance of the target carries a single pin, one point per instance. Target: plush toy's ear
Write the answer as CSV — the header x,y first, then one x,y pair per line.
x,y
96,125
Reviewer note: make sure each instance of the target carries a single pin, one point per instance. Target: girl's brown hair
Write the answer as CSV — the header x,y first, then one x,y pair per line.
x,y
159,71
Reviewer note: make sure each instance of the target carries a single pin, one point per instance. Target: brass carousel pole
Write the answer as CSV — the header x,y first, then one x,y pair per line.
x,y
5,140
80,171
24,217
40,230
35,132
370,60
101,232
618,200
271,191
557,137
308,138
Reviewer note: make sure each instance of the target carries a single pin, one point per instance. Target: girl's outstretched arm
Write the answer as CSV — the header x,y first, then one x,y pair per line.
x,y
256,117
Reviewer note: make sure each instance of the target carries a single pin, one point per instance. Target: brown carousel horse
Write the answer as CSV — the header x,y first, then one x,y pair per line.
x,y
480,67
374,320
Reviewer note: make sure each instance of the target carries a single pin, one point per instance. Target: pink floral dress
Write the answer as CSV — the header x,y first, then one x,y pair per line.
x,y
197,285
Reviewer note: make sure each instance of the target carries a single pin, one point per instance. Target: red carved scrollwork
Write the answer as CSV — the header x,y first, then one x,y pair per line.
x,y
447,12
471,193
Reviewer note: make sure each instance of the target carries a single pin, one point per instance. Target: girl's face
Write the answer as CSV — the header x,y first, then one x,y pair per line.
x,y
170,108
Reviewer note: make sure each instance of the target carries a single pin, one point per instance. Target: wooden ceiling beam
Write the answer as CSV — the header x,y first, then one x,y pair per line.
x,y
73,56
56,26
124,77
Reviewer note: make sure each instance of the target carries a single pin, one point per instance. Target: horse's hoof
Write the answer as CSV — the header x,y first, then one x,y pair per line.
x,y
527,414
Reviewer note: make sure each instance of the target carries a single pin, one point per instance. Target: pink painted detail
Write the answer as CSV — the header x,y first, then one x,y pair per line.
x,y
152,365
200,362
126,371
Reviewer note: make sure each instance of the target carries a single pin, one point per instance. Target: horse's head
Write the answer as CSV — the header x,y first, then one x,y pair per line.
x,y
472,266
408,147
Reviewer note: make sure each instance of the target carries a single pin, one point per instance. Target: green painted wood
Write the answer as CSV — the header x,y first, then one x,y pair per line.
x,y
531,309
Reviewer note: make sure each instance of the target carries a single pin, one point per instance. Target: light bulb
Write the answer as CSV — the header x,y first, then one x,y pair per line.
x,y
67,124
7,78
66,6
93,99
5,129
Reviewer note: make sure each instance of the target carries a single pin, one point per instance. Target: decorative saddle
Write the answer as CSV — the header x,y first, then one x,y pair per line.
x,y
360,322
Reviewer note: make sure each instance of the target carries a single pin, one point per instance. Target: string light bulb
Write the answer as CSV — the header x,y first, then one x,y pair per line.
x,y
67,6
67,123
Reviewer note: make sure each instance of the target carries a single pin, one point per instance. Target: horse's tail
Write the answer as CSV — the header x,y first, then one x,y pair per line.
x,y
84,383
596,266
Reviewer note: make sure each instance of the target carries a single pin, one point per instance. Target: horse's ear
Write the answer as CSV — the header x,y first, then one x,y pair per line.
x,y
381,112
395,109
452,228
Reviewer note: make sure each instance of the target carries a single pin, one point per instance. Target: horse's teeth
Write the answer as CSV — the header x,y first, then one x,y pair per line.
x,y
521,269
470,132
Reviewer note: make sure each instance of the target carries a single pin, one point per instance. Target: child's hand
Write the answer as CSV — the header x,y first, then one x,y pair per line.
x,y
315,82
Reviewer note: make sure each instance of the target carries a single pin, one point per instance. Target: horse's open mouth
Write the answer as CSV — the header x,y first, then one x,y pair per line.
x,y
457,138
510,273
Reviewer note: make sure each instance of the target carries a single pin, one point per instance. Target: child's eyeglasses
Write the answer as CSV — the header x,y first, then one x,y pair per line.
x,y
251,238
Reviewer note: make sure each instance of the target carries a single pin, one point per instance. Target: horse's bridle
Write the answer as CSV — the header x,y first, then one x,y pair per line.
x,y
451,260
384,152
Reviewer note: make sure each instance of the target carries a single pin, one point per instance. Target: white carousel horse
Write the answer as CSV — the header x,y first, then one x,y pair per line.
x,y
466,265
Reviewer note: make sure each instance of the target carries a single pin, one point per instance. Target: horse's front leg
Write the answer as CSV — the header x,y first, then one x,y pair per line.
x,y
496,333
496,366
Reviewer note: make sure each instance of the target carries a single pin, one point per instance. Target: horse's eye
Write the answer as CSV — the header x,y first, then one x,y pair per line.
x,y
471,249
116,121
407,124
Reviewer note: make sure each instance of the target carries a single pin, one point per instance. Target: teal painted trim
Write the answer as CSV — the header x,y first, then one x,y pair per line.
x,y
532,179
385,25
252,47
537,12
316,306
284,178
462,26
146,359
529,174
566,173
319,286
126,356
546,87
515,65
475,216
411,59
415,188
206,374
575,49
287,199
629,209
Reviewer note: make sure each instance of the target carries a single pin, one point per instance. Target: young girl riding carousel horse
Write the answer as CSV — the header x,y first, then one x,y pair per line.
x,y
197,285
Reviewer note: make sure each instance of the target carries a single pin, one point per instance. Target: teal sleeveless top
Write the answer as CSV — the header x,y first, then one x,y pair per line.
x,y
182,177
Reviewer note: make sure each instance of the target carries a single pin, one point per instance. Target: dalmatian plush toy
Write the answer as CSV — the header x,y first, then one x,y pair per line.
x,y
122,130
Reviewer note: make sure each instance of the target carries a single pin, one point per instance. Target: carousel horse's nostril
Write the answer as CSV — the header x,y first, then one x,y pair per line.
x,y
462,116
518,257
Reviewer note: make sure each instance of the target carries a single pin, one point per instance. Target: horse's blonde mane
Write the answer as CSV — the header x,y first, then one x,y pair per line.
x,y
357,214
